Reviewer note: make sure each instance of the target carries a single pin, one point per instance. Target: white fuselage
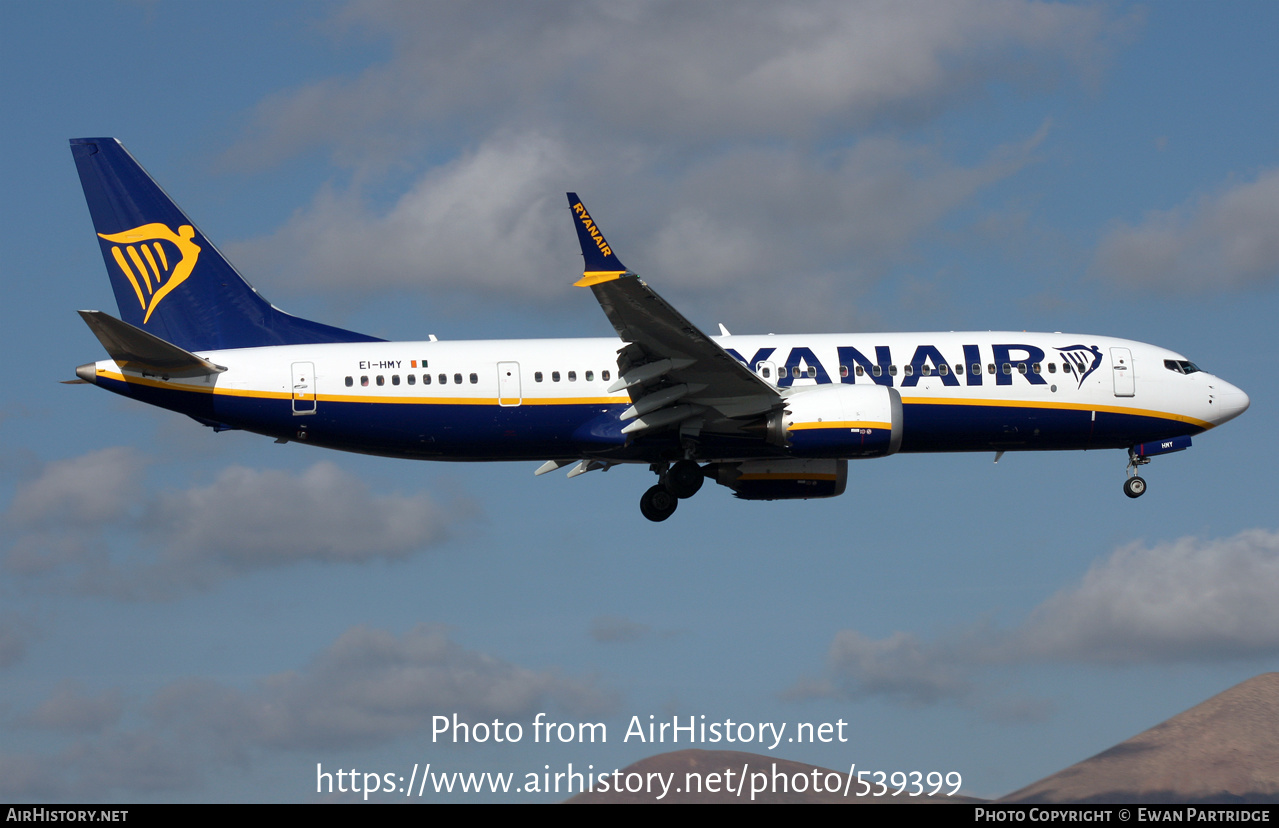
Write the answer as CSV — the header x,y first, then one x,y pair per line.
x,y
523,399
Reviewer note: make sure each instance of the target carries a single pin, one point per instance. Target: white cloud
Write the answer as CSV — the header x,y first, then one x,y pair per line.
x,y
900,668
752,214
134,542
484,222
58,514
495,223
276,517
70,709
1221,241
676,73
1184,601
132,761
732,140
89,489
25,777
370,687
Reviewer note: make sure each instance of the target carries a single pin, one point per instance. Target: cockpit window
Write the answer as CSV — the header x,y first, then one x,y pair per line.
x,y
1181,366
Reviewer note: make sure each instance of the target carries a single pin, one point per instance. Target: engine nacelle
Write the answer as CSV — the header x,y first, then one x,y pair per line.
x,y
783,479
839,421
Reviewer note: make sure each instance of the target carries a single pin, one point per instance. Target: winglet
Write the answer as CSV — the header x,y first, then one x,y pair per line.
x,y
600,263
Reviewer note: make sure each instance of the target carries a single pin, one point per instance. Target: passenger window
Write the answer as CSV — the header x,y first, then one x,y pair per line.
x,y
861,372
926,370
350,381
605,375
795,372
908,370
381,380
395,379
959,368
457,379
1008,369
1021,367
843,370
877,370
1052,367
590,376
892,370
475,378
572,376
412,379
766,372
426,379
555,376
977,368
364,381
990,368
1036,368
444,379
537,376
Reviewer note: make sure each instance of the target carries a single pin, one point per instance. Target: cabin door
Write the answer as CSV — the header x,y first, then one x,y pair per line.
x,y
1121,367
303,388
508,384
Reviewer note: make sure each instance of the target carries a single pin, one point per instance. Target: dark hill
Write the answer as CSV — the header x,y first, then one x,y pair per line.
x,y
1225,750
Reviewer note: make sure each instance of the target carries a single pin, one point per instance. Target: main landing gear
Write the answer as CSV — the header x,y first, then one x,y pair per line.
x,y
1135,486
680,481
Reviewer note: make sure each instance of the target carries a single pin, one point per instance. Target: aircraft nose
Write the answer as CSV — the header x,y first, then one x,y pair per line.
x,y
1228,401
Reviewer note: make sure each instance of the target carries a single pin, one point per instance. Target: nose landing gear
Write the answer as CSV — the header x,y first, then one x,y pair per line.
x,y
1135,486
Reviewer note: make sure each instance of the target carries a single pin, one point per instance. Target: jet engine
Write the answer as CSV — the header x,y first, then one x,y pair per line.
x,y
839,421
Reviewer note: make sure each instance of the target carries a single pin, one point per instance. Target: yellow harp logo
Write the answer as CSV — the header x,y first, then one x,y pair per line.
x,y
152,274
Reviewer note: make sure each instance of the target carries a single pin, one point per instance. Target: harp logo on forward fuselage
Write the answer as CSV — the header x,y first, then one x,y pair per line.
x,y
155,259
1080,356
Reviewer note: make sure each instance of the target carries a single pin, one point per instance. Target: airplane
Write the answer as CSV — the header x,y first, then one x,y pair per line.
x,y
769,417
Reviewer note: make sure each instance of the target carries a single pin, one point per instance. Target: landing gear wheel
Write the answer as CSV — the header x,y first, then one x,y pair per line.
x,y
1134,487
658,503
685,479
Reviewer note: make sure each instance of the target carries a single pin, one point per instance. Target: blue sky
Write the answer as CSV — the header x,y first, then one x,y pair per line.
x,y
191,616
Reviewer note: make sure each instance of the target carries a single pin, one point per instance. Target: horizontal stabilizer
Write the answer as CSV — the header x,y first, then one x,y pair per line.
x,y
135,349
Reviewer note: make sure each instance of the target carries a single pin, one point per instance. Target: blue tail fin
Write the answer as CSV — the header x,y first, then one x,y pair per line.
x,y
169,280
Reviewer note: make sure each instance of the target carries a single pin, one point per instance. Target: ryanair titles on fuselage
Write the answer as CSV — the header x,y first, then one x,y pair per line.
x,y
1077,361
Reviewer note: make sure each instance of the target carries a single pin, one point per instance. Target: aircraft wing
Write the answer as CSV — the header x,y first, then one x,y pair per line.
x,y
673,372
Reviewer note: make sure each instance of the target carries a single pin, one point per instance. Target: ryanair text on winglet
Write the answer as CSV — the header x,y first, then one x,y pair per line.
x,y
594,231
